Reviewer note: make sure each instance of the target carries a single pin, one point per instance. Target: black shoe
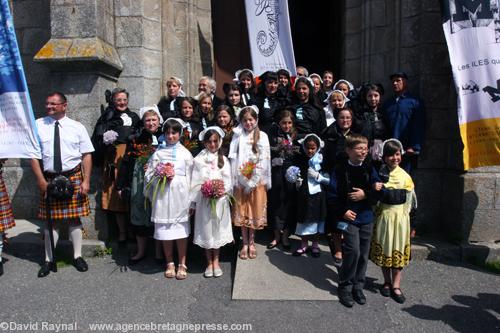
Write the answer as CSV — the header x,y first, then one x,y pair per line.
x,y
385,290
345,299
80,264
272,246
132,262
46,268
1,267
400,298
358,296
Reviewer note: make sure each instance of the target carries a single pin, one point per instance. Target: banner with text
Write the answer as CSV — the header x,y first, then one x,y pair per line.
x,y
269,35
472,30
18,137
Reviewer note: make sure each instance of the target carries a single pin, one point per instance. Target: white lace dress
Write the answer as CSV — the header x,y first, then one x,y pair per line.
x,y
211,231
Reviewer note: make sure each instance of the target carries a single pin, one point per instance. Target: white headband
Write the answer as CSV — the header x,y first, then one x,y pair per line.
x,y
153,108
239,71
349,84
219,130
179,120
305,77
316,76
396,141
327,99
321,143
254,107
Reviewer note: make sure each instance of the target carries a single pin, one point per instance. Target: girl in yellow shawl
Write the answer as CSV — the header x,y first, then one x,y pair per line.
x,y
390,246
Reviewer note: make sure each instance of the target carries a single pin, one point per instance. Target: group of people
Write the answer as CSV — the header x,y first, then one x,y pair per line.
x,y
303,154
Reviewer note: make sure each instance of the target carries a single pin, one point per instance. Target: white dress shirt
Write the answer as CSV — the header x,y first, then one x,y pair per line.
x,y
74,140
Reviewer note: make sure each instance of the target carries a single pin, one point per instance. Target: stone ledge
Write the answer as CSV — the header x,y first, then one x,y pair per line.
x,y
80,54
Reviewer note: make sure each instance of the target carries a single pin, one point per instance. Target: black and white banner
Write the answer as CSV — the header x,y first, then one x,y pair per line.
x,y
472,30
269,35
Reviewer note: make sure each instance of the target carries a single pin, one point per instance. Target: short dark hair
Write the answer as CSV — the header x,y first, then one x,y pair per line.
x,y
312,138
390,148
59,94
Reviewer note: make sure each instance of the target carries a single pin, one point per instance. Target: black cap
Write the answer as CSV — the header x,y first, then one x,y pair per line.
x,y
399,74
269,76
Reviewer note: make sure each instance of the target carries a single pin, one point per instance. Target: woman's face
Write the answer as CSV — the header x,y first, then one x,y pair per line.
x,y
317,84
286,124
206,105
212,144
344,88
311,148
271,87
151,123
246,82
302,91
121,102
186,109
172,137
234,97
223,119
173,89
327,80
373,98
336,101
393,160
283,79
248,122
344,120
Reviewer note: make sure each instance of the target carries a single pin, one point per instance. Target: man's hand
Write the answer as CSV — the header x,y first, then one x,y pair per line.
x,y
377,186
410,151
350,215
85,187
42,185
357,195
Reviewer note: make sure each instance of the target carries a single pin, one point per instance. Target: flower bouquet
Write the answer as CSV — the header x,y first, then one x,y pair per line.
x,y
213,190
190,144
249,175
292,174
163,175
285,148
109,137
247,169
142,152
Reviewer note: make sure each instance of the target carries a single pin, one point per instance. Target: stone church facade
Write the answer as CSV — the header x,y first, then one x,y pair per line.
x,y
83,47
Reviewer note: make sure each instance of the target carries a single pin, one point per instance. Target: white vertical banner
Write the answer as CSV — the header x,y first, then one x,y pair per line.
x,y
269,35
18,138
472,30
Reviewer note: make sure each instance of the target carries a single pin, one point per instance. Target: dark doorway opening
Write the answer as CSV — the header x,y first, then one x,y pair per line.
x,y
316,34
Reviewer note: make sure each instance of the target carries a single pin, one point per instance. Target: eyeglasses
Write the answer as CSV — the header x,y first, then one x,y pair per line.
x,y
361,149
120,100
54,104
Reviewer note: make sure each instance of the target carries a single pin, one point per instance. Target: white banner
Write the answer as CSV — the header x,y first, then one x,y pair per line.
x,y
269,35
18,138
472,30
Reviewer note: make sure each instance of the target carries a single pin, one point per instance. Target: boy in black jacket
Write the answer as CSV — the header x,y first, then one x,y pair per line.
x,y
349,202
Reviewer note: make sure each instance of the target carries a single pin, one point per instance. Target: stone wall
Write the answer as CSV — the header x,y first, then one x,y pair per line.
x,y
384,36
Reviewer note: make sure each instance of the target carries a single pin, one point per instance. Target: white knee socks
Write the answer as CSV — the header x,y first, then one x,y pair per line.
x,y
75,234
48,251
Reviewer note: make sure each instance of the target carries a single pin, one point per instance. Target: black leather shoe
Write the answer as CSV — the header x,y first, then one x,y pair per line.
x,y
80,264
272,246
132,262
358,296
385,290
345,299
400,298
46,268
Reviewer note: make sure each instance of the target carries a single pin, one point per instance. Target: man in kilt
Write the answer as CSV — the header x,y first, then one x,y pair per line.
x,y
6,217
71,158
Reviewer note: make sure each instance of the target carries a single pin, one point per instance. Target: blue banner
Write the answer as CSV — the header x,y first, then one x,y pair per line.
x,y
18,137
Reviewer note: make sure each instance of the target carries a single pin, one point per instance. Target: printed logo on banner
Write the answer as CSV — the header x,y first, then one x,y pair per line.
x,y
493,92
267,41
470,88
466,14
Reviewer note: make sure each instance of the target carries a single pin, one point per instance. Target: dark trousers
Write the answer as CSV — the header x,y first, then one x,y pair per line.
x,y
355,250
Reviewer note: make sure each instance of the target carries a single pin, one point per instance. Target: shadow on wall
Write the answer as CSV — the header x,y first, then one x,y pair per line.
x,y
205,53
479,314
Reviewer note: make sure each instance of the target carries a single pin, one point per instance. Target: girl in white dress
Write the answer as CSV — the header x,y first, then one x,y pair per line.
x,y
170,198
212,226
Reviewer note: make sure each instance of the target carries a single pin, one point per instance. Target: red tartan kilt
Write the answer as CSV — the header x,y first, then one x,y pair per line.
x,y
73,208
6,216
